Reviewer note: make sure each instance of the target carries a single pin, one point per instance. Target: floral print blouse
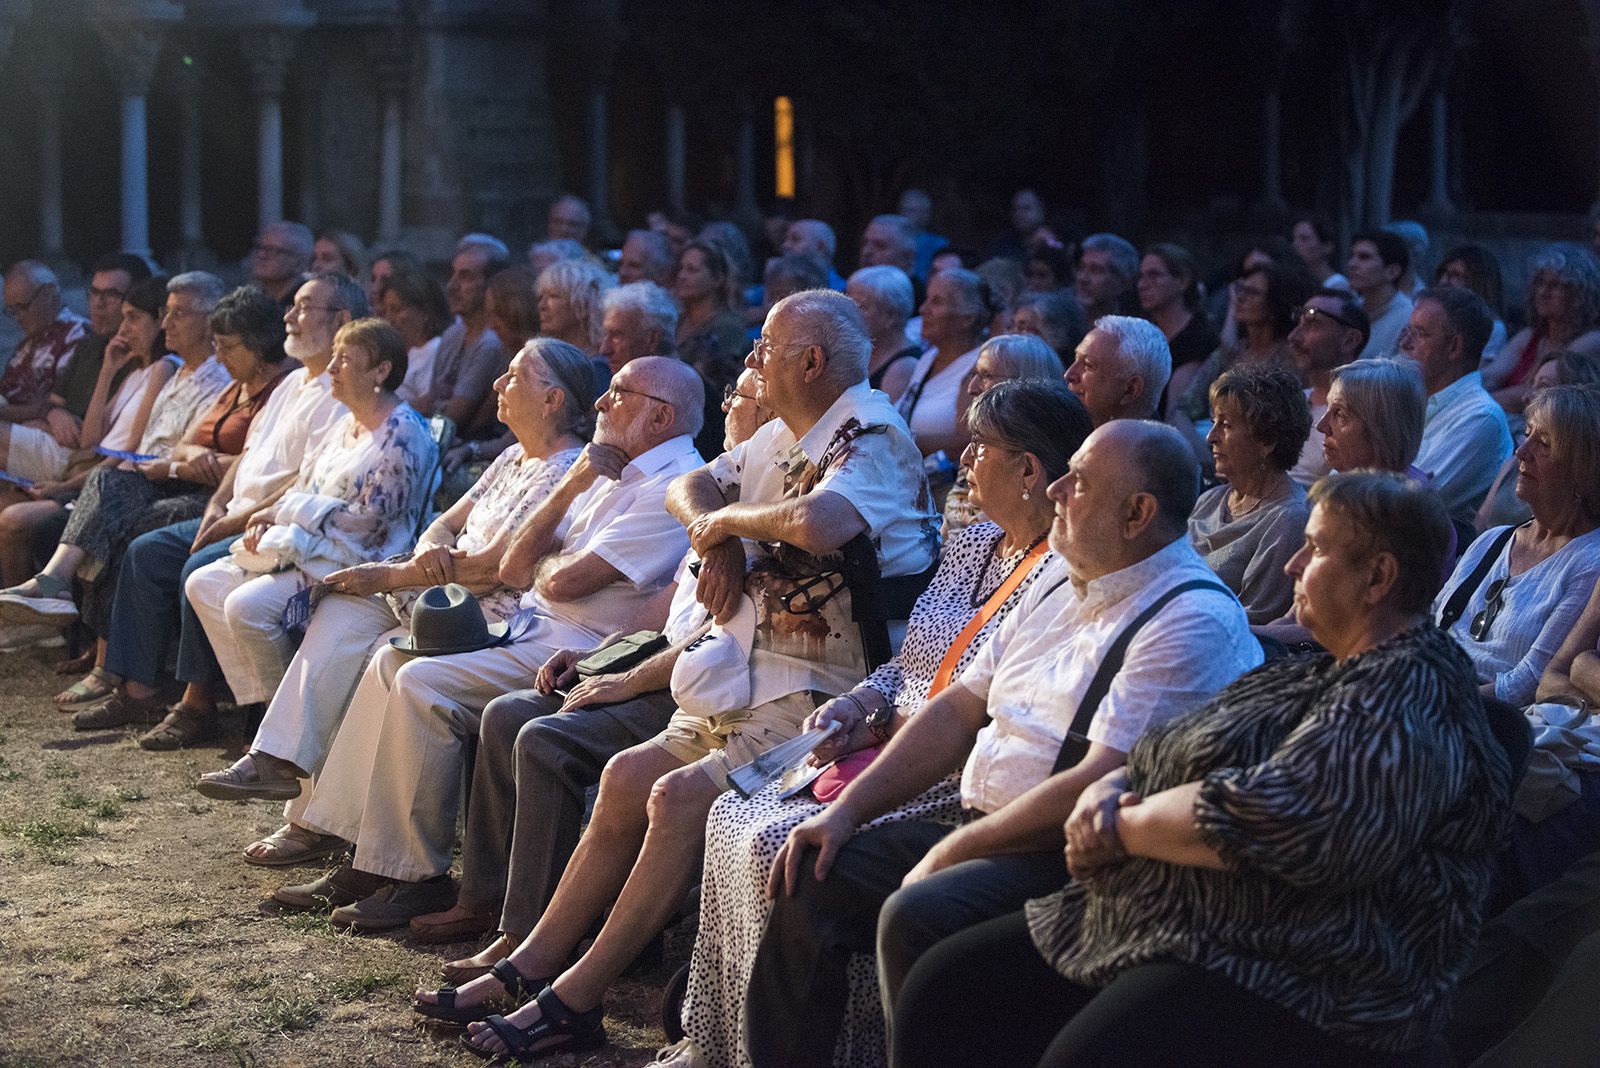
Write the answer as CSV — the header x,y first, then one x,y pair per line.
x,y
511,488
361,494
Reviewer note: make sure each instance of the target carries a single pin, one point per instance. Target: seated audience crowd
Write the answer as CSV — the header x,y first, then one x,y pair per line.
x,y
1047,660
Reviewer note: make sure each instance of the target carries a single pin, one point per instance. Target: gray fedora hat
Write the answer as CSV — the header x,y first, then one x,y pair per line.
x,y
446,620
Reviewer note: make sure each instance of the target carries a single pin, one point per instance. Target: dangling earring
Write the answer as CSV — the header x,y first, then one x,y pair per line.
x,y
1025,495
378,388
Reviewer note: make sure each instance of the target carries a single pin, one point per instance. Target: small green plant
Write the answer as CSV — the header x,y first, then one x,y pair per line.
x,y
70,798
130,793
215,1040
107,808
309,923
7,772
356,987
56,768
51,837
247,983
168,993
288,1012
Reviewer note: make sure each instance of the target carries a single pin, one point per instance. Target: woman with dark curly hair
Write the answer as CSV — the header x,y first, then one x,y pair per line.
x,y
1249,527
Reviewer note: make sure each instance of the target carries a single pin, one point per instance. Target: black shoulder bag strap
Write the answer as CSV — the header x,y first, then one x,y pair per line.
x,y
1076,743
1457,603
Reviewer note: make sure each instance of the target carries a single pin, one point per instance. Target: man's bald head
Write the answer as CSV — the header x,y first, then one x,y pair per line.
x,y
675,382
1158,462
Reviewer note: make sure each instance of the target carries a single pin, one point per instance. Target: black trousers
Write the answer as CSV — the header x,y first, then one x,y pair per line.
x,y
799,988
985,996
1530,987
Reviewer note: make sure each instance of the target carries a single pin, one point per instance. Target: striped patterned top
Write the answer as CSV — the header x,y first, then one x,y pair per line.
x,y
1356,805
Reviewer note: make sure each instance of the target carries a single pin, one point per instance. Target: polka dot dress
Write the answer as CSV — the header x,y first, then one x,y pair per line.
x,y
744,835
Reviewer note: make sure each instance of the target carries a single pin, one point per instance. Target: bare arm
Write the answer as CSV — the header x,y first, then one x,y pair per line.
x,y
1032,823
1575,664
1162,827
536,537
933,743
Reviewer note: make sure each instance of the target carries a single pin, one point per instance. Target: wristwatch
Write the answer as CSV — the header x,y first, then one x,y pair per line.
x,y
878,722
172,470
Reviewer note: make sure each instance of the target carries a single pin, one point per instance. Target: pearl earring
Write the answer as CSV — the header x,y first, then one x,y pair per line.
x,y
377,389
1025,495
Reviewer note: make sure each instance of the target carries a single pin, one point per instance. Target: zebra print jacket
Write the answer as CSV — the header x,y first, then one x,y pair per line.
x,y
1356,805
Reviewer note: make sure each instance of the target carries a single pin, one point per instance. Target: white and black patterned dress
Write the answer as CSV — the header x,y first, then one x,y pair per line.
x,y
1356,805
743,836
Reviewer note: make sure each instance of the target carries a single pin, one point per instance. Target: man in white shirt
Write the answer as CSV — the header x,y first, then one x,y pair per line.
x,y
1465,439
595,557
149,610
1120,369
767,520
1377,261
1120,530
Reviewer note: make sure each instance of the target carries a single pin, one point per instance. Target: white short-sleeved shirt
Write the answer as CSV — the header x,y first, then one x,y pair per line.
x,y
293,423
861,450
1464,442
1034,672
625,523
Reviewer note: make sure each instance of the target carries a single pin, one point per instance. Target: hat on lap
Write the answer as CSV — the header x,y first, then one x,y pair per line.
x,y
446,620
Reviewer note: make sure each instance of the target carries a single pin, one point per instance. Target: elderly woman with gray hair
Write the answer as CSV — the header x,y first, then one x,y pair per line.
x,y
1023,435
884,296
1248,528
1055,318
545,397
1563,313
1007,358
571,295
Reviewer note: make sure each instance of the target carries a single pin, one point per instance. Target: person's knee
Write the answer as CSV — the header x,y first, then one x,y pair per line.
x,y
680,799
625,787
246,608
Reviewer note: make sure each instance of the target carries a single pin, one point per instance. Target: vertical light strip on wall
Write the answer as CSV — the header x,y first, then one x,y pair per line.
x,y
783,145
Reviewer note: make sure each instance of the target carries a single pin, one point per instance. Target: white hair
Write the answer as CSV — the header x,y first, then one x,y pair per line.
x,y
558,249
890,286
820,232
488,242
649,300
1124,257
831,321
205,287
584,284
34,273
1142,350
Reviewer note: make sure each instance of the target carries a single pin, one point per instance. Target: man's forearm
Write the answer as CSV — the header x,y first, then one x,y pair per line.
x,y
816,523
537,536
1032,823
693,495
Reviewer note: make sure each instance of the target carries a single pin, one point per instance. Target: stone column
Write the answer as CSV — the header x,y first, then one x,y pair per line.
x,y
135,46
677,154
268,53
745,207
309,210
1272,150
599,157
1438,202
47,82
390,55
190,221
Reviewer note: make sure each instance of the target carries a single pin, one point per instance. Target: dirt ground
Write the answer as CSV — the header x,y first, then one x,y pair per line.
x,y
131,932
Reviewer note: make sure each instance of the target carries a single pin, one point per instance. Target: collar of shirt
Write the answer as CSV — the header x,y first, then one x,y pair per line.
x,y
1108,590
654,459
1470,382
815,441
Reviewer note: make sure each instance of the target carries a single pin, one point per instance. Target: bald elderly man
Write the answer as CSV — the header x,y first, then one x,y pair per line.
x,y
596,557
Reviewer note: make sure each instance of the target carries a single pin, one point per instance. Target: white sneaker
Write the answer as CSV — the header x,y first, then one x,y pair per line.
x,y
16,636
51,611
681,1054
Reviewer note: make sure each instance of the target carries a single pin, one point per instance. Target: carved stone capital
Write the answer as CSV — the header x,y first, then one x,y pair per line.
x,y
132,48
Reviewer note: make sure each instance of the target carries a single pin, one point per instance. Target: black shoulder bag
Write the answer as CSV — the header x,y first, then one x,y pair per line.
x,y
1457,603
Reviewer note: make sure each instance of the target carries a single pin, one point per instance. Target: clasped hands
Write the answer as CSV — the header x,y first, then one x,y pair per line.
x,y
1094,841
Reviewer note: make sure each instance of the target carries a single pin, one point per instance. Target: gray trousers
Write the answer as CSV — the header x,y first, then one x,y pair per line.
x,y
532,773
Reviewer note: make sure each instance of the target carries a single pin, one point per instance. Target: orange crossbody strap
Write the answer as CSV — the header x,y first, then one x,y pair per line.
x,y
952,656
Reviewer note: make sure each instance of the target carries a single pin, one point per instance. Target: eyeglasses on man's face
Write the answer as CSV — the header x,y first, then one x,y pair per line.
x,y
1310,313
